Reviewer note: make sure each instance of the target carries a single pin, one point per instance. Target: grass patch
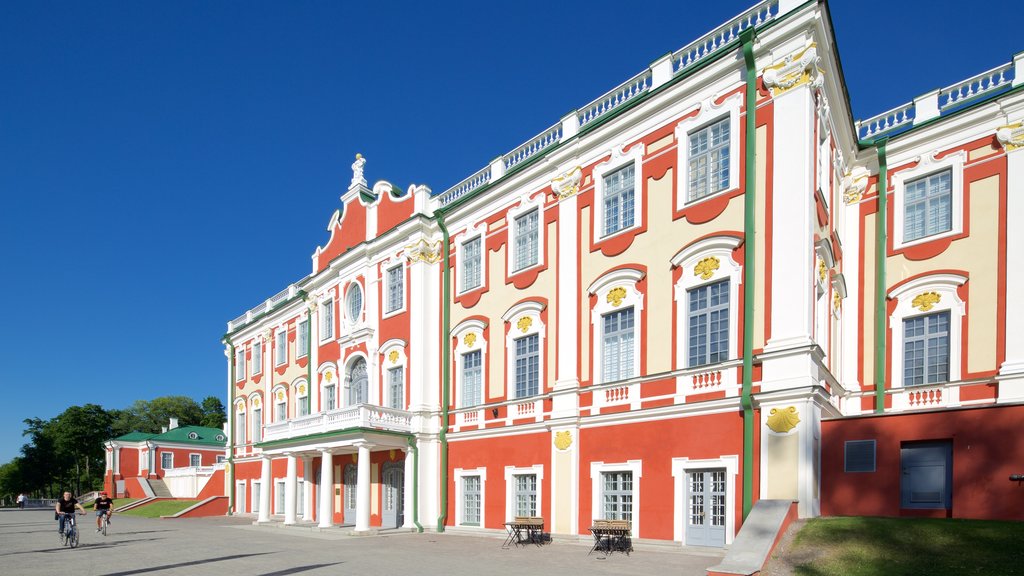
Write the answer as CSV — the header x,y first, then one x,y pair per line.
x,y
907,546
160,508
123,502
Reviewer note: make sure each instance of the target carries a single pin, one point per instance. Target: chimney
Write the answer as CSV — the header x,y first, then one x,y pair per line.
x,y
174,423
163,429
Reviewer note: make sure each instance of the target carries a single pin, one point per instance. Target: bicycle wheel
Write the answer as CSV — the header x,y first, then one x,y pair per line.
x,y
73,538
104,525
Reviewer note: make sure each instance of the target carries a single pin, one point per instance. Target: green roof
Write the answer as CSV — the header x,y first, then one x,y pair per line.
x,y
135,437
193,435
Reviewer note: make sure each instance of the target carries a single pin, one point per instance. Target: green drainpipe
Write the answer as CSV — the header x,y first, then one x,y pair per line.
x,y
881,240
750,152
415,484
445,376
231,425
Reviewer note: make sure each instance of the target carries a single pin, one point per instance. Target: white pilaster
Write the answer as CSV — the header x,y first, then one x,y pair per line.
x,y
266,487
408,488
567,377
424,344
307,489
363,489
290,484
1011,373
326,512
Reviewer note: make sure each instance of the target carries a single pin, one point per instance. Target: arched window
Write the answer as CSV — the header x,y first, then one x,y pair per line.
x,y
358,383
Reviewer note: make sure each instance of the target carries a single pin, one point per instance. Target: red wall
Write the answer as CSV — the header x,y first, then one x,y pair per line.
x,y
987,445
214,487
216,507
208,457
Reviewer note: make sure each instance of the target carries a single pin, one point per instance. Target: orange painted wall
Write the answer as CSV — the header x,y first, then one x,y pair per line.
x,y
987,443
214,487
217,507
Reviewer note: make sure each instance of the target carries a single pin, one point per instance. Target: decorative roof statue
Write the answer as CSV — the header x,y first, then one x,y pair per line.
x,y
357,172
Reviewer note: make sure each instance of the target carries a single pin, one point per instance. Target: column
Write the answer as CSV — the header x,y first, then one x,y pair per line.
x,y
307,489
363,489
290,482
266,487
326,512
407,499
1011,373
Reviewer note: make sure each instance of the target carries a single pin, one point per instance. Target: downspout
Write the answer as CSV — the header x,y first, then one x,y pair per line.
x,y
446,361
231,426
750,152
881,242
415,484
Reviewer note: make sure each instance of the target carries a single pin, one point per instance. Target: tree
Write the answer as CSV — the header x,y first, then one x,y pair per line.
x,y
213,413
152,415
79,433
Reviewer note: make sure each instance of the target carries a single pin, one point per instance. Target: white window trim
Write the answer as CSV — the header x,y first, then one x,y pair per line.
x,y
322,304
190,455
460,332
372,388
256,403
240,411
280,388
510,489
460,474
240,364
680,468
300,351
241,486
529,309
323,371
626,279
620,158
478,231
388,266
296,385
526,205
709,114
596,487
254,496
277,334
362,303
945,285
720,247
386,365
164,454
928,166
282,483
257,367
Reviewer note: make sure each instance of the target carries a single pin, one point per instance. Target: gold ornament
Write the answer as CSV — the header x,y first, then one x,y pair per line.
x,y
925,301
470,339
256,401
837,301
524,323
280,395
616,296
329,375
706,267
563,439
784,420
302,388
822,270
393,356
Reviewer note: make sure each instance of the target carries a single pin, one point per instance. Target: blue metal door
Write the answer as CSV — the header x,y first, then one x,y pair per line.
x,y
927,475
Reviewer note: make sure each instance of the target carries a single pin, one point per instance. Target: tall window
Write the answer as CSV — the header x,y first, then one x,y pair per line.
x,y
396,388
327,319
256,485
280,410
166,460
709,160
240,428
195,460
471,265
618,199
302,347
240,364
257,424
257,358
525,495
708,323
928,206
358,383
330,397
926,349
395,289
618,345
617,495
279,497
354,303
471,500
472,378
526,240
303,405
527,366
281,347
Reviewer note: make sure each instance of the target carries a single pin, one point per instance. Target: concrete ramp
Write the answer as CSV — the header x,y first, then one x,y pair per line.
x,y
757,538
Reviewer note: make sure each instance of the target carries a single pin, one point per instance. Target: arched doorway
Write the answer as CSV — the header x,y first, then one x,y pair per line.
x,y
358,383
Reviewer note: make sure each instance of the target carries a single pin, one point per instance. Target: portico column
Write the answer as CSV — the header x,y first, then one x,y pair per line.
x,y
363,489
326,489
266,487
408,497
290,481
307,489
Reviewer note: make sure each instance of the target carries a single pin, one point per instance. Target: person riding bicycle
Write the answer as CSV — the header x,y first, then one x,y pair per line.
x,y
104,506
66,504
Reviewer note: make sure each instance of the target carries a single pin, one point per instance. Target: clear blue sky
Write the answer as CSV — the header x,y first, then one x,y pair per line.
x,y
165,166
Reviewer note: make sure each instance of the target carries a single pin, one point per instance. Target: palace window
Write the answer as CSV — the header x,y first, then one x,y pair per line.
x,y
166,460
617,495
257,357
240,427
240,364
708,151
618,200
301,399
708,168
280,408
926,349
281,347
257,424
618,339
527,366
704,294
326,319
615,318
472,378
358,383
302,347
708,324
195,460
471,502
396,289
396,388
470,361
928,205
472,276
354,303
330,397
526,240
525,492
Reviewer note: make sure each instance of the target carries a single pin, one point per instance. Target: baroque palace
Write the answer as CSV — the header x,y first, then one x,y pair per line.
x,y
708,287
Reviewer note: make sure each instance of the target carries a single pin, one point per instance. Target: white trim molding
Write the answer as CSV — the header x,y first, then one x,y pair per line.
x,y
459,475
461,239
927,166
510,473
708,114
596,471
680,468
525,321
526,205
620,157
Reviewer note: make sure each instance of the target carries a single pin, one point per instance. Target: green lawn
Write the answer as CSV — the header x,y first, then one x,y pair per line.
x,y
160,508
123,502
907,546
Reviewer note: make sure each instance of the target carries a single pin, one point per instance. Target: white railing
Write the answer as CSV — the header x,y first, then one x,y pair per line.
x,y
266,306
524,409
926,397
720,377
533,146
979,85
470,419
621,94
475,181
361,416
719,37
886,121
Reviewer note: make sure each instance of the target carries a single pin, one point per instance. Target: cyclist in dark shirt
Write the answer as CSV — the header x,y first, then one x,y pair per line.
x,y
66,504
104,507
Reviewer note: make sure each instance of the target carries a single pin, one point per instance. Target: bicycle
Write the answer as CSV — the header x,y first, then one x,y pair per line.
x,y
104,523
69,537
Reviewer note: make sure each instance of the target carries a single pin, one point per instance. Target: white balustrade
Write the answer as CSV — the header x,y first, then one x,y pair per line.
x,y
719,37
622,93
361,416
524,409
481,177
533,146
926,397
957,94
886,121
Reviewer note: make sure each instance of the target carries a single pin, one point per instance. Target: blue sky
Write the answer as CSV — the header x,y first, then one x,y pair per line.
x,y
165,166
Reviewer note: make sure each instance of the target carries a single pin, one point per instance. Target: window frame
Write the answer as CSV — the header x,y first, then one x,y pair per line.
x,y
537,470
688,259
302,348
353,289
257,350
478,342
325,315
394,271
526,205
192,455
526,314
619,159
709,114
240,364
625,279
475,234
301,394
927,167
328,376
280,398
394,347
690,313
164,457
281,346
597,472
460,475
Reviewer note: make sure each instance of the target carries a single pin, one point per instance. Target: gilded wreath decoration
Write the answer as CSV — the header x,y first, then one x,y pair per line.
x,y
822,270
616,296
255,401
393,356
563,439
524,323
925,301
280,395
470,339
706,267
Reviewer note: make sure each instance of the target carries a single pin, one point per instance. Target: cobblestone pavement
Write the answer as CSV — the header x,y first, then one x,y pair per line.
x,y
226,546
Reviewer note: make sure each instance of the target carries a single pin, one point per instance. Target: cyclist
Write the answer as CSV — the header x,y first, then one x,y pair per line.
x,y
104,507
66,504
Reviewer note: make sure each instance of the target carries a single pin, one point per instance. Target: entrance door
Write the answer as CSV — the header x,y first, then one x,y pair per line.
x,y
393,506
927,476
705,508
350,494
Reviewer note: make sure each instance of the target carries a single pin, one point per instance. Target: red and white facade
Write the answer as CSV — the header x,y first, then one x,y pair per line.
x,y
581,356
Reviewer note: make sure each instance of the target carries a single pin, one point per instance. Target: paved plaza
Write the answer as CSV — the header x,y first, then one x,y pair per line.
x,y
225,546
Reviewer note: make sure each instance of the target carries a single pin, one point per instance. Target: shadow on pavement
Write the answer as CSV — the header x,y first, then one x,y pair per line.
x,y
184,564
297,569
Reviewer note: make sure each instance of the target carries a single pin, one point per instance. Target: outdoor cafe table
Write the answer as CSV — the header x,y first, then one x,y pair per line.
x,y
524,530
612,536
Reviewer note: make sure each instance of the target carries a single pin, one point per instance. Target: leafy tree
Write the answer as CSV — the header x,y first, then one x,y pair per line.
x,y
213,412
152,415
79,433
